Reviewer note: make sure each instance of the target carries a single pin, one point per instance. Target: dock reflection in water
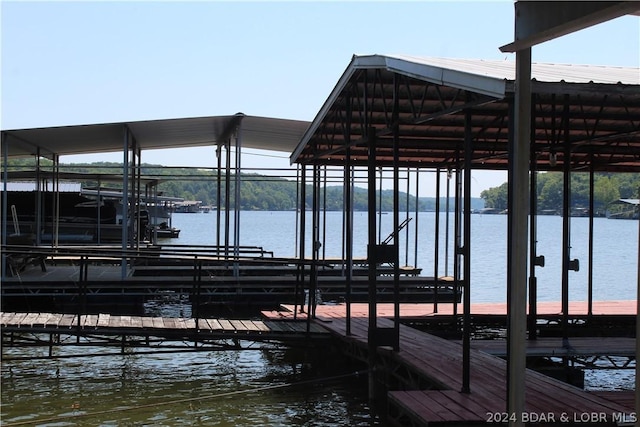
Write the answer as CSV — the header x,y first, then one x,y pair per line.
x,y
202,388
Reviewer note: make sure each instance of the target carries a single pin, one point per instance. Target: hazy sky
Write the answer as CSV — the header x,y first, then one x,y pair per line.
x,y
68,63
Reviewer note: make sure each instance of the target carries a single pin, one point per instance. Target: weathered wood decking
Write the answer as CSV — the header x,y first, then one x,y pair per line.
x,y
189,328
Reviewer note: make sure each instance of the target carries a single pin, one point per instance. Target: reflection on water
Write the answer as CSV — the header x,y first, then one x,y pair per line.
x,y
203,388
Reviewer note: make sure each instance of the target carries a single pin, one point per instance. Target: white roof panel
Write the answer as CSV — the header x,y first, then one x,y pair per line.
x,y
256,132
544,72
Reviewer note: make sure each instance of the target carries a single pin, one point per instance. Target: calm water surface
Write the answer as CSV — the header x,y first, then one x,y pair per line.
x,y
252,387
615,268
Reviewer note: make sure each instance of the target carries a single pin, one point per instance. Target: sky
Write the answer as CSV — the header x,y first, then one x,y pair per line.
x,y
86,62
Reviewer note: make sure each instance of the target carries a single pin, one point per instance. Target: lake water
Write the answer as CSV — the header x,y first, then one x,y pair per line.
x,y
615,269
252,387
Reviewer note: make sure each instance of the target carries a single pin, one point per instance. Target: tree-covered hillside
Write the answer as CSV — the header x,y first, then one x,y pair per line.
x,y
608,187
257,192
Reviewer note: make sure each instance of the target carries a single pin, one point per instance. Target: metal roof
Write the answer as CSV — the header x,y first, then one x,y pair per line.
x,y
594,108
256,132
543,72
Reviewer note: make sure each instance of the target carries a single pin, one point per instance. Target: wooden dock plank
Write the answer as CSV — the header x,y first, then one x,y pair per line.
x,y
16,319
214,325
169,323
103,320
44,319
54,320
251,326
6,317
29,319
90,321
274,326
157,322
40,320
189,323
67,320
260,326
226,325
238,325
125,322
147,322
136,322
115,321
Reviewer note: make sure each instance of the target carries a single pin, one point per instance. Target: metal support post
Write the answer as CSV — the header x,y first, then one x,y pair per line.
x,y
236,201
566,224
436,244
303,232
466,330
518,194
591,236
372,257
348,208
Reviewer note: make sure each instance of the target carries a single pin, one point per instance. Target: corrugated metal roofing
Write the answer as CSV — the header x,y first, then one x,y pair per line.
x,y
425,101
544,72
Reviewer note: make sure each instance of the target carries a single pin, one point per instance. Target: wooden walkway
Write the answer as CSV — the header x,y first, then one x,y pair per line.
x,y
173,328
436,399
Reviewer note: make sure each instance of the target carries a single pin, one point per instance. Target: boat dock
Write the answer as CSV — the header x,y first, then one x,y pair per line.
x,y
205,275
424,377
150,333
422,382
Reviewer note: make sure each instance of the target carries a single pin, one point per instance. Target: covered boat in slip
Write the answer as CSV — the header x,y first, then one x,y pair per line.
x,y
73,214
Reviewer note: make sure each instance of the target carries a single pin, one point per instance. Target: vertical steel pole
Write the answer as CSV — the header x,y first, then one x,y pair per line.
x,y
315,251
218,196
372,258
380,208
296,247
348,178
456,234
236,202
406,217
533,236
519,172
5,214
40,193
227,195
436,244
303,233
396,214
446,225
590,272
637,380
125,199
348,208
466,329
566,224
324,212
415,242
